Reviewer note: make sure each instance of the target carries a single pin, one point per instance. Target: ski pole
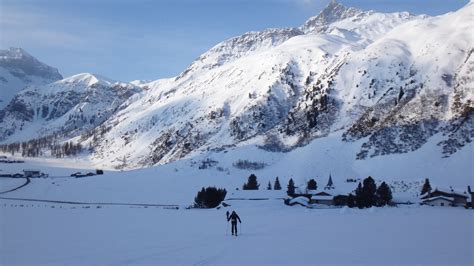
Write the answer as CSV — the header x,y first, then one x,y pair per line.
x,y
227,219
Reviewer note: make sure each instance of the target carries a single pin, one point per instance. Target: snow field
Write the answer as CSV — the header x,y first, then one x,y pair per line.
x,y
271,234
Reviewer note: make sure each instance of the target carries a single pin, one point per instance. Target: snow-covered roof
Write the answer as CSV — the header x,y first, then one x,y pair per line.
x,y
439,197
452,192
301,200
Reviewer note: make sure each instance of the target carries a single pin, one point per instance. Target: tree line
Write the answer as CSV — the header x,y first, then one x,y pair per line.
x,y
252,184
36,147
366,195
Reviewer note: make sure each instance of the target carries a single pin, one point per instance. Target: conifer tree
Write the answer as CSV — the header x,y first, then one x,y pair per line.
x,y
291,188
368,191
384,194
312,185
269,187
252,183
199,199
277,185
209,197
351,203
426,187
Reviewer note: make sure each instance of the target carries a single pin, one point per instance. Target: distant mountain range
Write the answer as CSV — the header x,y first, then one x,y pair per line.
x,y
388,83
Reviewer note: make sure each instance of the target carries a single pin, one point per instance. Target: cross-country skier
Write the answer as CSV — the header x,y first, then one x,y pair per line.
x,y
233,217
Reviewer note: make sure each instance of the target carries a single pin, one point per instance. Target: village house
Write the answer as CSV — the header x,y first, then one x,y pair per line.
x,y
322,197
444,197
439,201
325,197
300,200
32,173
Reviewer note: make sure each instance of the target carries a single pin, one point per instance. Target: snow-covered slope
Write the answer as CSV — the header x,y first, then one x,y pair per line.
x,y
421,87
67,107
19,69
367,74
384,83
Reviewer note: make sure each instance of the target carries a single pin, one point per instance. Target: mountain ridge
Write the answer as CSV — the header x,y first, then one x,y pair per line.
x,y
364,73
67,107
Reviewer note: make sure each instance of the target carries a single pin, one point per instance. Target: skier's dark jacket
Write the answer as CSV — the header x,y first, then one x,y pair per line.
x,y
234,217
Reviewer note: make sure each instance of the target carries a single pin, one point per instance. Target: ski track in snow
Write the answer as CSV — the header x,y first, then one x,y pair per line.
x,y
16,188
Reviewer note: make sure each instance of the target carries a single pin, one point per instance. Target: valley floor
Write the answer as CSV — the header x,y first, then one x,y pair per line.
x,y
271,233
71,225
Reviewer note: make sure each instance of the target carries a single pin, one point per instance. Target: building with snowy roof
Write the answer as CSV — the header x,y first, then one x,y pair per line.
x,y
439,201
323,197
301,200
444,197
32,173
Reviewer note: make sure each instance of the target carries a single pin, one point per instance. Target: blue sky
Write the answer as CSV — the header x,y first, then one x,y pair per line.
x,y
145,39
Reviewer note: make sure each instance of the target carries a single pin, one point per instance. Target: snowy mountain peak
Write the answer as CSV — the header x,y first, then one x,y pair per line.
x,y
19,69
20,64
352,23
13,53
87,79
333,12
